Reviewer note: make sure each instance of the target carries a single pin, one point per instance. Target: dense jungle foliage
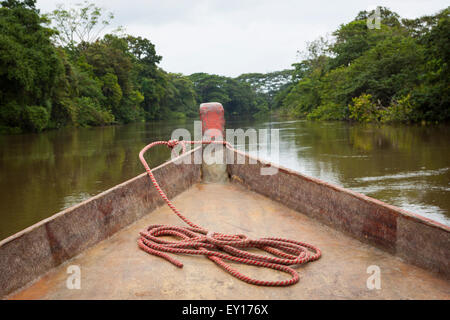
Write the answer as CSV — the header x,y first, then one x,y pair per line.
x,y
398,72
56,71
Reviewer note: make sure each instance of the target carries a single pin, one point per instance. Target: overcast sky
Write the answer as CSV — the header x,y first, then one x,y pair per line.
x,y
231,37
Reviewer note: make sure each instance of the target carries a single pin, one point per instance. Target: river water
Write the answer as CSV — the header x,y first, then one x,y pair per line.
x,y
404,165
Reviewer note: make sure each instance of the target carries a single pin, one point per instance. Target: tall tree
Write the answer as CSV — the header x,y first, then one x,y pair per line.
x,y
82,23
29,66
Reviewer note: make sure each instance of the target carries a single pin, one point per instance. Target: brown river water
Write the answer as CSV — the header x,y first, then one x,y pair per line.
x,y
404,165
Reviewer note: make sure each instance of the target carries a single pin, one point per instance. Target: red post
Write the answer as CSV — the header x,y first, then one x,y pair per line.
x,y
214,167
213,119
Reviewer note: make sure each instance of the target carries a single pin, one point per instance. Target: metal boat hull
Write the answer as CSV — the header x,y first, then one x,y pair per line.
x,y
353,231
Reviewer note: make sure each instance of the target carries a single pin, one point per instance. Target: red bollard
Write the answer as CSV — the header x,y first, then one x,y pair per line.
x,y
214,167
213,120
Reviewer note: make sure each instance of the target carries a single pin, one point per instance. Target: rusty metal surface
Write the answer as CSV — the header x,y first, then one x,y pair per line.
x,y
35,250
116,269
418,240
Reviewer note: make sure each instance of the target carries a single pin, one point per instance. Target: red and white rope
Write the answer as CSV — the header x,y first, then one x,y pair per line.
x,y
218,247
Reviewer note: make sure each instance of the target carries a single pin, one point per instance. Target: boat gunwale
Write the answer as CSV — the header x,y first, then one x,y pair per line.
x,y
398,211
84,202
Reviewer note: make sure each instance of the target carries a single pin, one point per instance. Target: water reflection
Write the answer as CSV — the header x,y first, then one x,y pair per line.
x,y
41,174
408,166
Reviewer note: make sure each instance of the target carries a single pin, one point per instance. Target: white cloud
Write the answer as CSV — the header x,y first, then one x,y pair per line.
x,y
231,37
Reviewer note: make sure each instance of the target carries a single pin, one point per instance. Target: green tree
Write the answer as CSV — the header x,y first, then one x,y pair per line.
x,y
398,72
29,64
82,23
237,97
267,85
431,98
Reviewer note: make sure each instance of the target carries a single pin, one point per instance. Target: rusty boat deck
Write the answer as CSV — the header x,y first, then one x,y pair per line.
x,y
353,231
116,268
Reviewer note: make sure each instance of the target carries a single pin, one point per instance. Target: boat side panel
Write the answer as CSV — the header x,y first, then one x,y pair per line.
x,y
30,253
418,240
423,245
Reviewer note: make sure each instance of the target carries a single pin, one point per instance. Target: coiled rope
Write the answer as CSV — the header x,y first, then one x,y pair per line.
x,y
218,247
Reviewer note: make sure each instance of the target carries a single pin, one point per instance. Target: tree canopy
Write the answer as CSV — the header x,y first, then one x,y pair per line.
x,y
398,72
63,69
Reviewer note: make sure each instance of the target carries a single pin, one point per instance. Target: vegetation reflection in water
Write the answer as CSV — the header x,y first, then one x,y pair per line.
x,y
407,166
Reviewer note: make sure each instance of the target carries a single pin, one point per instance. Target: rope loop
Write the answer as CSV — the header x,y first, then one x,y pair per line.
x,y
217,247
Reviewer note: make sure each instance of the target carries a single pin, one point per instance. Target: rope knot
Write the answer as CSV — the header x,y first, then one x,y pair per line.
x,y
172,143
